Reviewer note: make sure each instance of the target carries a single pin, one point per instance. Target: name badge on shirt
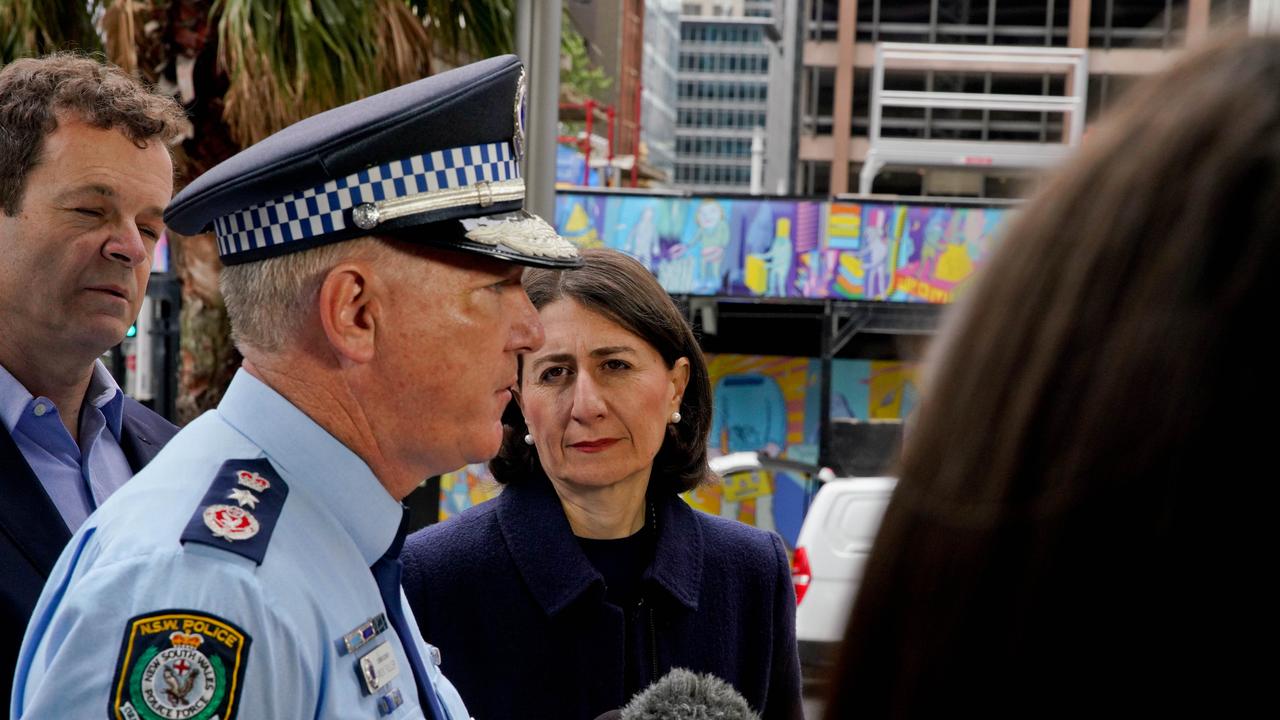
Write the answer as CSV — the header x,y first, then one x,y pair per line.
x,y
378,667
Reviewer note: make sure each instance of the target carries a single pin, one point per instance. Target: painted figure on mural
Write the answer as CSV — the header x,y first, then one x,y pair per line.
x,y
933,231
680,268
710,239
874,255
954,264
757,241
750,413
780,256
642,241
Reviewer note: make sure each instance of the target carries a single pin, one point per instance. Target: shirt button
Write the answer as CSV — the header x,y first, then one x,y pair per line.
x,y
41,409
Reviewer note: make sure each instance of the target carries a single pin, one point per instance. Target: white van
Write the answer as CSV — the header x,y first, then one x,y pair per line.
x,y
831,551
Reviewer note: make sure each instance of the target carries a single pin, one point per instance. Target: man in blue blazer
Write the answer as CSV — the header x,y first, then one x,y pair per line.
x,y
86,175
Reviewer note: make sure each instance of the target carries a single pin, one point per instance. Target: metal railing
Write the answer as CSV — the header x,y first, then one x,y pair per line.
x,y
928,152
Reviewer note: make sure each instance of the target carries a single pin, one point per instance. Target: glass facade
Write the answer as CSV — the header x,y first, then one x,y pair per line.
x,y
722,96
659,89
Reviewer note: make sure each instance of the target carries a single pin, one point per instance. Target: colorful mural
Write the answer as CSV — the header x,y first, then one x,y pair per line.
x,y
763,403
902,252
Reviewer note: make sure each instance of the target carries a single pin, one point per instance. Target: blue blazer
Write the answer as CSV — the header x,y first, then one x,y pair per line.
x,y
33,533
519,613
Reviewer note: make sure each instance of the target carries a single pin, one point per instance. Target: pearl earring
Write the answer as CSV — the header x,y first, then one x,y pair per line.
x,y
675,417
528,439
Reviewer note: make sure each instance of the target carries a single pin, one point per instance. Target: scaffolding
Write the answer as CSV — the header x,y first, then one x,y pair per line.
x,y
930,152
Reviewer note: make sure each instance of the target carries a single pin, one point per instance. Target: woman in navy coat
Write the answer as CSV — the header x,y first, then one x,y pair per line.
x,y
589,578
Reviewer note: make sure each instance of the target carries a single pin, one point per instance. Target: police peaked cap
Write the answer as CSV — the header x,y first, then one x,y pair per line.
x,y
435,161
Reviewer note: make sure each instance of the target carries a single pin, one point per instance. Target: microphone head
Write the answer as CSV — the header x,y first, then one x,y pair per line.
x,y
683,695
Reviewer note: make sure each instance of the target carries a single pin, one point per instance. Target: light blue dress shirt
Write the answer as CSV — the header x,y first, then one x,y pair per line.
x,y
311,590
76,477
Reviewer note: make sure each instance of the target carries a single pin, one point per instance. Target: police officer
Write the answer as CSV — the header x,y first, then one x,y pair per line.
x,y
373,260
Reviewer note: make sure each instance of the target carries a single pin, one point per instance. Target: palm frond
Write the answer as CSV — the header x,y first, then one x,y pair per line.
x,y
465,30
35,27
120,29
289,59
405,45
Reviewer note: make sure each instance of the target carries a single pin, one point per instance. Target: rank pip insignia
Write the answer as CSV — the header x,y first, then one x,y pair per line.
x,y
179,665
244,497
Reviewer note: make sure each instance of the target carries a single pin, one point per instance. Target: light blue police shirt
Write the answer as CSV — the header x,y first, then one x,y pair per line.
x,y
132,613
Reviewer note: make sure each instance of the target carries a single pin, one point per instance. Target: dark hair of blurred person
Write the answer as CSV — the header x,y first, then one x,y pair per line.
x,y
1077,496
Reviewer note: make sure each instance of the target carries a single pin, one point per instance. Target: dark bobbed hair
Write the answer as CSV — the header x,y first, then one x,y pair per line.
x,y
1074,500
34,91
622,290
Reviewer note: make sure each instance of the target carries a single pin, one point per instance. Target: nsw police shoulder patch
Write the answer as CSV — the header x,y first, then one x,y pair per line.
x,y
179,665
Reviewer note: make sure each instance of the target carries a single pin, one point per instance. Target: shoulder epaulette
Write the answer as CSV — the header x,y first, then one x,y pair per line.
x,y
240,509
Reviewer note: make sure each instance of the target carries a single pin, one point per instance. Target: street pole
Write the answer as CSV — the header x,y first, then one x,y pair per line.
x,y
757,160
544,106
524,30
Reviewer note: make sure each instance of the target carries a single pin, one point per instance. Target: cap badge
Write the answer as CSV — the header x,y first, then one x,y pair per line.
x,y
525,233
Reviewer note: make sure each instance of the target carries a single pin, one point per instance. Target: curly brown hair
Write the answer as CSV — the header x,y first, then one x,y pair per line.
x,y
35,92
619,288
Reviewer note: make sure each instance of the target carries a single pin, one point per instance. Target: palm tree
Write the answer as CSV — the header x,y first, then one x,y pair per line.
x,y
245,69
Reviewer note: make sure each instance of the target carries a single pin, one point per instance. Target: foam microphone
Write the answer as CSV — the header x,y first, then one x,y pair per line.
x,y
683,695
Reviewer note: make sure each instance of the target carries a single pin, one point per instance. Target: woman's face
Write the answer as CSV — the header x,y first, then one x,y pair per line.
x,y
597,399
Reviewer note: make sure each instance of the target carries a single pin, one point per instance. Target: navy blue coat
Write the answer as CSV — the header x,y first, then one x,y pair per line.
x,y
33,533
519,614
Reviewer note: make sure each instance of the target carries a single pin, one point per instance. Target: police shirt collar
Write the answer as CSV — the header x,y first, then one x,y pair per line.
x,y
314,462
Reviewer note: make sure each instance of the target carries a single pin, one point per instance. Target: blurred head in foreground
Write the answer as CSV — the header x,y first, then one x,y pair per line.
x,y
1076,498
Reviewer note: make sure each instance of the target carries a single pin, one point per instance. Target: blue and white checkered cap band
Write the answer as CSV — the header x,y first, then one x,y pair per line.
x,y
322,210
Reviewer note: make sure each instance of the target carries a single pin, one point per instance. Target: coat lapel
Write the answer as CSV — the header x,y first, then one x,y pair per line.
x,y
542,545
27,516
555,569
138,439
677,559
